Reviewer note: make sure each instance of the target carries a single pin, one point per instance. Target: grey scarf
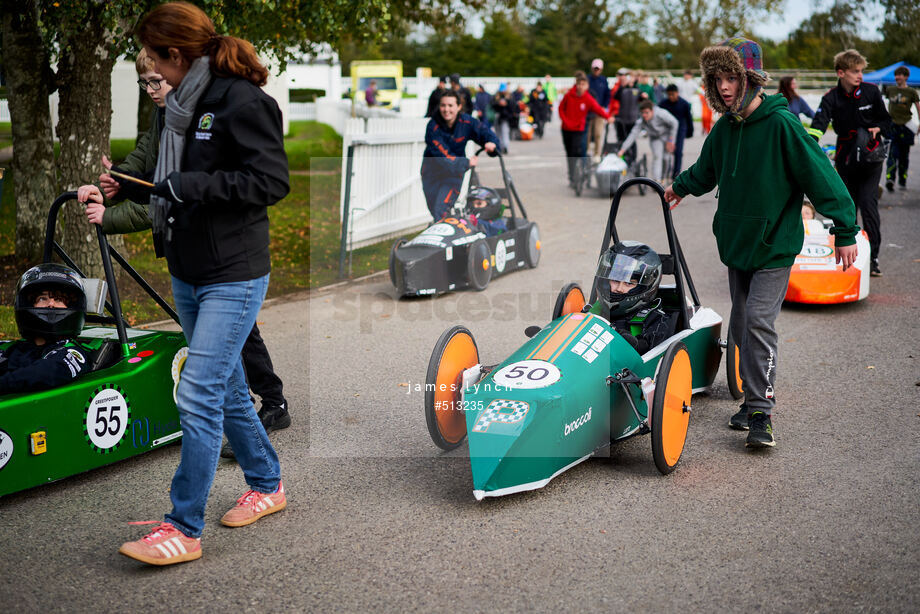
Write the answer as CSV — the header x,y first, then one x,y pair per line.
x,y
180,107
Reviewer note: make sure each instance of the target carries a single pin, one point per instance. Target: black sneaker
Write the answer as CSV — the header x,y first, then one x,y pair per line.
x,y
874,271
889,185
739,421
275,417
761,435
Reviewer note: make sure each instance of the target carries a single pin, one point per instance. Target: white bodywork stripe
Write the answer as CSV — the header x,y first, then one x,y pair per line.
x,y
172,548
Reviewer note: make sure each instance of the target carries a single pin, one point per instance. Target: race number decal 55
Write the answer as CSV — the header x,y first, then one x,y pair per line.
x,y
107,416
528,374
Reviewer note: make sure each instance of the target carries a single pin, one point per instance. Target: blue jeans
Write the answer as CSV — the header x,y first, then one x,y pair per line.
x,y
213,397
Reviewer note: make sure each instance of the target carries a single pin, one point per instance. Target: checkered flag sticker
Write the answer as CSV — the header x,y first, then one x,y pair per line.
x,y
501,411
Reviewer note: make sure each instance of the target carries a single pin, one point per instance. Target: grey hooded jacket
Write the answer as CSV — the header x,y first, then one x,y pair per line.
x,y
663,126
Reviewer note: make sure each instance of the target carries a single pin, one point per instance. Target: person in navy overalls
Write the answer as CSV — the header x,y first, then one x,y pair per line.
x,y
445,161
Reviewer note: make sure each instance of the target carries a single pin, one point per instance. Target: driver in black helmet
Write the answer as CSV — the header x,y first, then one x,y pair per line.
x,y
485,209
627,281
50,310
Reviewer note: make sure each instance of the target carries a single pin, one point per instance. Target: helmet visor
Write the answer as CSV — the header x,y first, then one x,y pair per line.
x,y
621,267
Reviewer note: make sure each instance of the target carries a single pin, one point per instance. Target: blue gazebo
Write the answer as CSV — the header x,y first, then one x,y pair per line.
x,y
885,76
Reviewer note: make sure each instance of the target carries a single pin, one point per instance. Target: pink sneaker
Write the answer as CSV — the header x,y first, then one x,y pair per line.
x,y
253,505
165,545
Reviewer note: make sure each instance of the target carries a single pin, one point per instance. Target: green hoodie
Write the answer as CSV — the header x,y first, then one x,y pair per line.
x,y
762,166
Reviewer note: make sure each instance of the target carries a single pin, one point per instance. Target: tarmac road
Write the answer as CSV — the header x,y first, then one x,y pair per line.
x,y
380,519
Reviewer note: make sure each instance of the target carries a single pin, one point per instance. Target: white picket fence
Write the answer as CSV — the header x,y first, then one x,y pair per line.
x,y
384,188
4,111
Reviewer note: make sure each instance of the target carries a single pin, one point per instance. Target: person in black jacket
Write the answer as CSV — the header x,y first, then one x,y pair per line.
x,y
435,96
50,308
221,165
124,216
504,116
851,107
679,108
539,108
466,101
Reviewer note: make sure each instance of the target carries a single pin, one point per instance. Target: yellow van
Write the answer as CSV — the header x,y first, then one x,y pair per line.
x,y
389,77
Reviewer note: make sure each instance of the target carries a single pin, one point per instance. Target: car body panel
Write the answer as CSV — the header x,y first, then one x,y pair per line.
x,y
103,417
436,261
549,406
817,279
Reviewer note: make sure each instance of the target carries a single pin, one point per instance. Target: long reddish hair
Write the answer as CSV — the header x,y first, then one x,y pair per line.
x,y
187,28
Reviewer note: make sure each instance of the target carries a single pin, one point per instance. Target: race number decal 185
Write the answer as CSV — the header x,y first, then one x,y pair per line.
x,y
528,374
107,416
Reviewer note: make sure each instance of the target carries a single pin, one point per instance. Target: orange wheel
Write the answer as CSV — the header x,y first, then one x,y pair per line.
x,y
570,300
733,368
671,407
454,352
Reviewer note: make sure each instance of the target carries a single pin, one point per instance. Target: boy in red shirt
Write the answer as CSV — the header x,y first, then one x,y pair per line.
x,y
573,109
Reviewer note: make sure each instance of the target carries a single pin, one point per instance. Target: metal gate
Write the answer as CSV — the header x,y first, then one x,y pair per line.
x,y
381,186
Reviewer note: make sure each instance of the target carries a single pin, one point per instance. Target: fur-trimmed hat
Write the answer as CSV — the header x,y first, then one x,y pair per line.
x,y
738,56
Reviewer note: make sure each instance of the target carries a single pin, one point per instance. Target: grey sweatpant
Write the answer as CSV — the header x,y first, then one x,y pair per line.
x,y
756,299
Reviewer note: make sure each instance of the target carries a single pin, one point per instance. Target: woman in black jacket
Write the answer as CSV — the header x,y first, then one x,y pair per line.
x,y
221,164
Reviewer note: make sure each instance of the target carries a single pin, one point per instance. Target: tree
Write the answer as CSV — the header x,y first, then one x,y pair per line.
x,y
824,34
29,79
901,31
691,25
568,34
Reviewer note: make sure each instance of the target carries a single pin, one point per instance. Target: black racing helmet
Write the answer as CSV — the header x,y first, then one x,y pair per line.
x,y
50,322
493,208
632,262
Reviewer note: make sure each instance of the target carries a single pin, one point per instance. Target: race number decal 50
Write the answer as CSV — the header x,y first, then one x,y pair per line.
x,y
107,416
528,374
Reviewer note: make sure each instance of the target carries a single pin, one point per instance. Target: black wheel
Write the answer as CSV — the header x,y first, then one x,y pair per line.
x,y
396,245
614,185
670,413
579,177
733,368
667,169
569,300
454,352
642,171
532,253
604,185
479,265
